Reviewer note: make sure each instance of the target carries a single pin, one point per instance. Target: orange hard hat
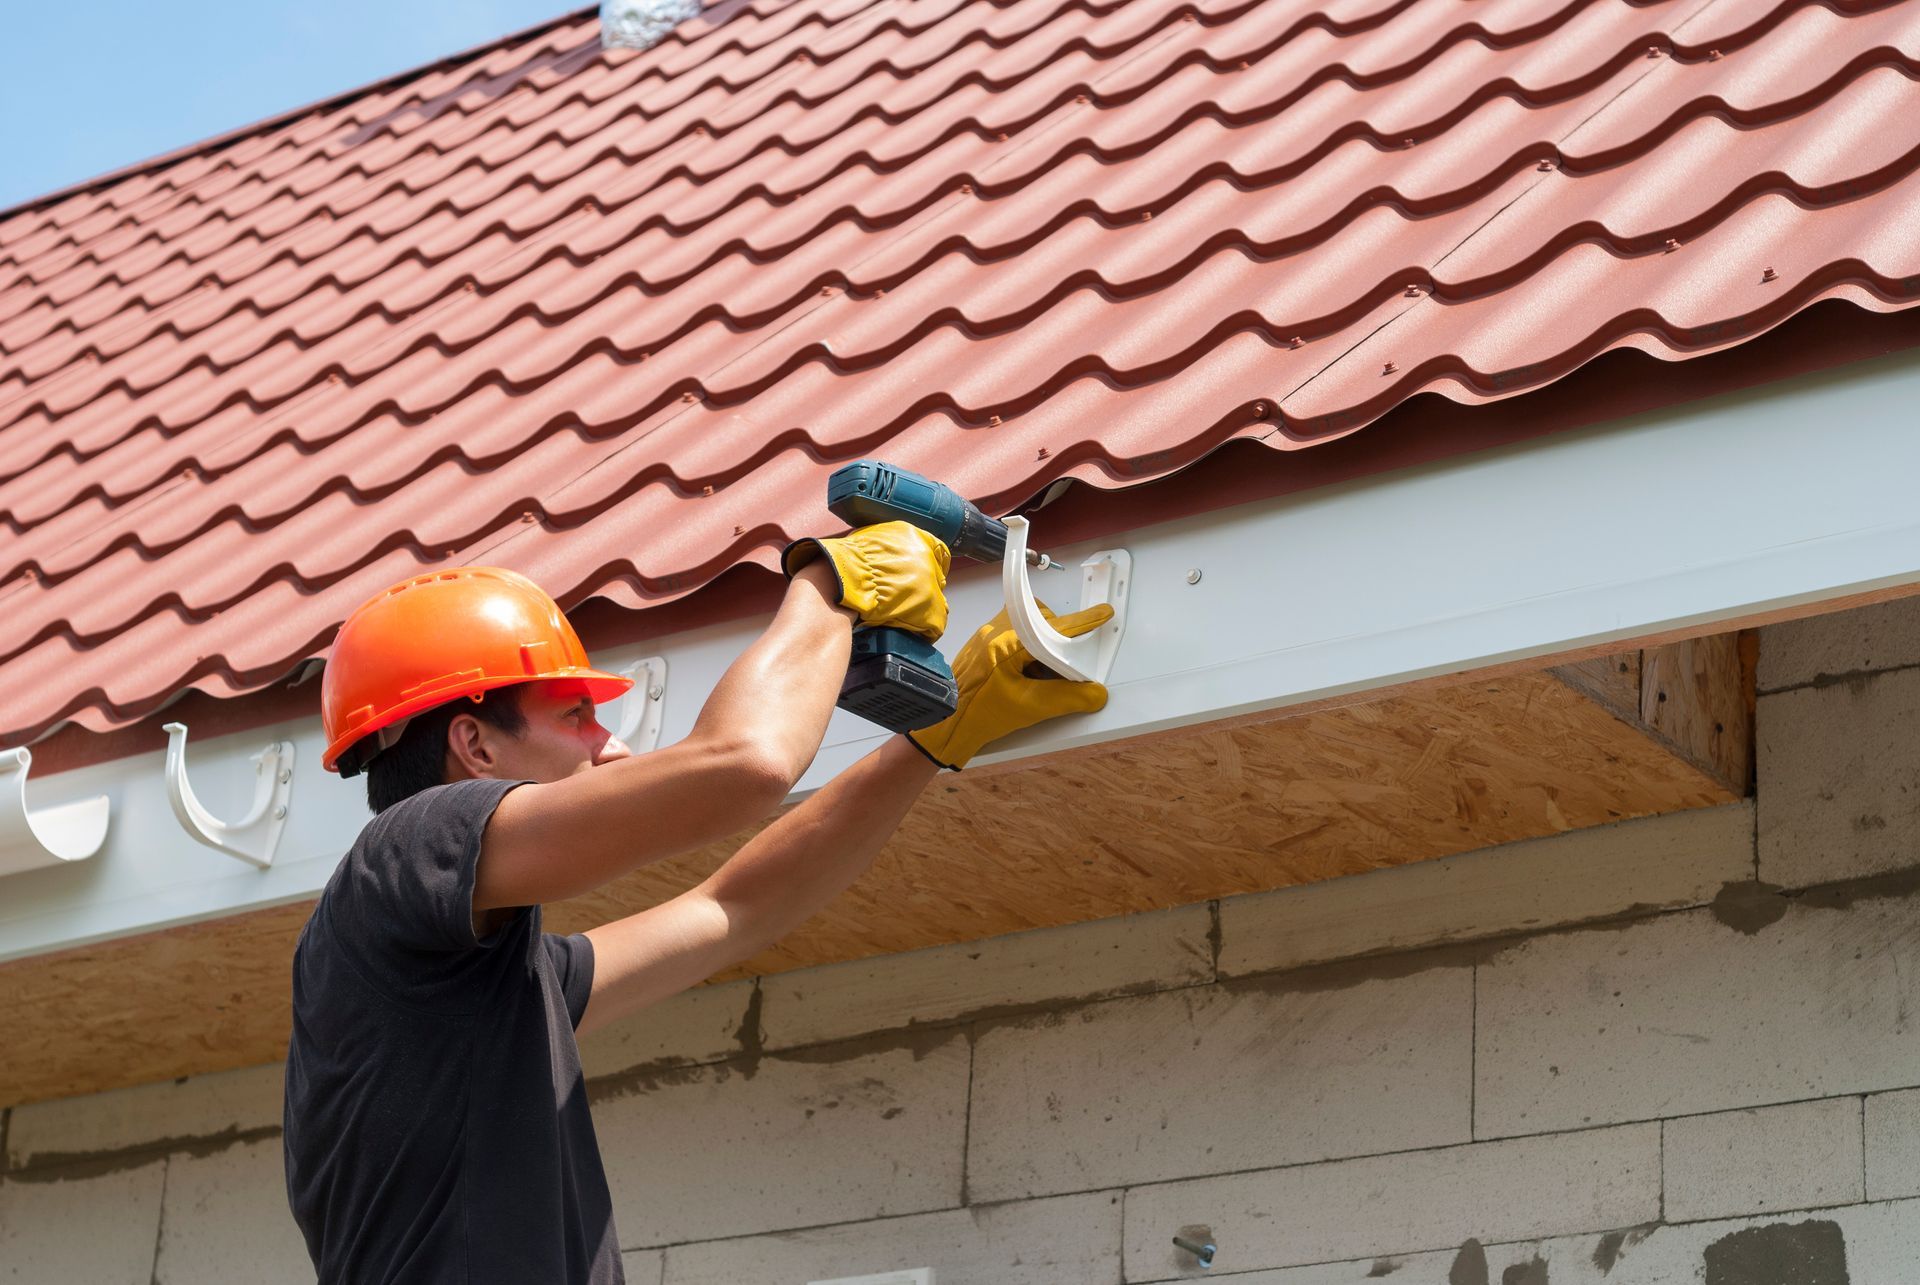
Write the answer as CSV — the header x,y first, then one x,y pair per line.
x,y
439,636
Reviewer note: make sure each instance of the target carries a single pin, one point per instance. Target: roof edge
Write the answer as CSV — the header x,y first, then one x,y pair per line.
x,y
237,134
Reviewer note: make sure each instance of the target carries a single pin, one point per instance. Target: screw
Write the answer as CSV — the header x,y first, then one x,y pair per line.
x,y
1202,1252
1001,137
286,775
739,530
1714,55
1653,51
1769,275
686,397
993,419
527,516
1041,454
1146,215
1406,142
966,189
1413,291
1259,410
1389,369
1295,342
1193,575
655,692
1672,245
1244,64
1545,166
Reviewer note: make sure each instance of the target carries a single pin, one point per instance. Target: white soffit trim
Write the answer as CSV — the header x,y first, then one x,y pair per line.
x,y
1775,497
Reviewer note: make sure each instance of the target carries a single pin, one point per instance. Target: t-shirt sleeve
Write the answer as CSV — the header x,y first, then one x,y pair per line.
x,y
407,884
572,960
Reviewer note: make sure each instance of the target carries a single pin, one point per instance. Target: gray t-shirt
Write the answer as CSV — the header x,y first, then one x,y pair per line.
x,y
436,1117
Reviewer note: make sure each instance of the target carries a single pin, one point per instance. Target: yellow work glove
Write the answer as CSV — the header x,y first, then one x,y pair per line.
x,y
999,692
891,573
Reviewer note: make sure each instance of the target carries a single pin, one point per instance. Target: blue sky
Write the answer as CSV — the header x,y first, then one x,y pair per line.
x,y
88,86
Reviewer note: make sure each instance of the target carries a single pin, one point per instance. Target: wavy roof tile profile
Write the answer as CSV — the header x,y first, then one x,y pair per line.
x,y
610,318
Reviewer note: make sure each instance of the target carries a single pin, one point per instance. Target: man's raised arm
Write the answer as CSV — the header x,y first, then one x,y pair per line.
x,y
755,735
804,859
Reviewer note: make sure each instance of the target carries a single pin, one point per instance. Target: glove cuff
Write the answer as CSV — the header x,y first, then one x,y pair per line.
x,y
930,756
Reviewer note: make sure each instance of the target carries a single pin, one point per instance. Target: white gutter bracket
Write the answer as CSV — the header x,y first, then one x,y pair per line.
x,y
32,840
643,708
1104,577
253,837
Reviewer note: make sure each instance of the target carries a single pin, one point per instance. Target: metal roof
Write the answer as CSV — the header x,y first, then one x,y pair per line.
x,y
610,318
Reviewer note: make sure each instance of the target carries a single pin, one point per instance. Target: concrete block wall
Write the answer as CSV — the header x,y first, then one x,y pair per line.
x,y
1676,1049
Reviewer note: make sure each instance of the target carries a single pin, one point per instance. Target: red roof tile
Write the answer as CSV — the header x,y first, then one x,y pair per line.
x,y
610,318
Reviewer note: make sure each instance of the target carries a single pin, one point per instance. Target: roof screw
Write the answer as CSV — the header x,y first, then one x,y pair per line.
x,y
739,530
1193,575
1769,275
699,131
1080,98
1001,136
1041,454
706,490
1413,291
993,419
1653,51
1296,342
1146,216
966,189
1189,16
527,516
1714,55
879,294
655,692
825,291
686,397
1259,410
1406,142
1672,245
1545,165
1389,369
1244,64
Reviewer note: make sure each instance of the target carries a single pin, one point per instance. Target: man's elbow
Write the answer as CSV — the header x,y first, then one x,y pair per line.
x,y
758,779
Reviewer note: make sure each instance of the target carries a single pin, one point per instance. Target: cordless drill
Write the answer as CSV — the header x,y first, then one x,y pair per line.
x,y
897,678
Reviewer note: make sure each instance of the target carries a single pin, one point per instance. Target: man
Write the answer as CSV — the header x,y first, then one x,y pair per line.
x,y
436,1123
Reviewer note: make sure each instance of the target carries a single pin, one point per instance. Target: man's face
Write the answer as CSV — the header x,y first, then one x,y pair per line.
x,y
561,738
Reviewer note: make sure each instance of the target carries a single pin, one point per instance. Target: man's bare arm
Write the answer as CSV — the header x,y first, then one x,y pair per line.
x,y
774,883
756,734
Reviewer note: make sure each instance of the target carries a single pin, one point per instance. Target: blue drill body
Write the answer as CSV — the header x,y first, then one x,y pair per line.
x,y
895,678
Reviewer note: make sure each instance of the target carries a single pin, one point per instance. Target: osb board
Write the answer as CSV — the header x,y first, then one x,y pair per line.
x,y
1697,694
1129,827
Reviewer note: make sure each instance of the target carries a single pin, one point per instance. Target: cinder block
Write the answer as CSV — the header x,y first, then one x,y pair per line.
x,y
737,1148
1681,859
202,1106
226,1220
1801,1156
1399,1204
1855,1245
1893,1145
92,1226
698,1025
1038,1242
1341,1061
1684,1013
1839,779
1127,955
644,1266
1885,636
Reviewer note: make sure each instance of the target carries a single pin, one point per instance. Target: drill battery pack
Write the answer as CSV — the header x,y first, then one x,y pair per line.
x,y
897,679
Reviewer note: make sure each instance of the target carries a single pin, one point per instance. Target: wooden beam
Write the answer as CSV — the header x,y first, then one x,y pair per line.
x,y
1168,820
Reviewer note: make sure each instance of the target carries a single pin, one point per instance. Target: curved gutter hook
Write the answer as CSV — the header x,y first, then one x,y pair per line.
x,y
254,837
1103,578
31,840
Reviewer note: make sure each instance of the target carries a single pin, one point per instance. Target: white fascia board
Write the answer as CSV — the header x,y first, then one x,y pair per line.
x,y
1776,497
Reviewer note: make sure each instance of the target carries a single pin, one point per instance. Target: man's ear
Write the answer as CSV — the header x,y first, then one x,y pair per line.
x,y
470,748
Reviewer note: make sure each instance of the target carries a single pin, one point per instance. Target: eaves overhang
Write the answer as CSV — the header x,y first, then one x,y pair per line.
x,y
1675,522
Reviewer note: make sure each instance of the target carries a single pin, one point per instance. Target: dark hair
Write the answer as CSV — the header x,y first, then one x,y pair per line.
x,y
418,760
